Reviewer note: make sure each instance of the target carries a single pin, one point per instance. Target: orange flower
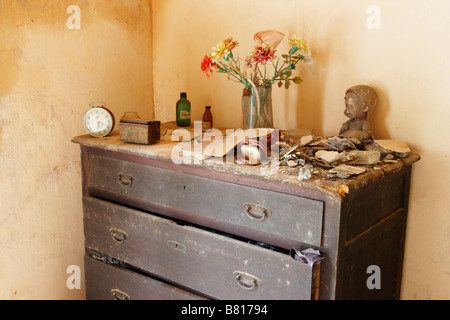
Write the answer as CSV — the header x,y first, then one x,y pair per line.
x,y
263,54
208,66
230,44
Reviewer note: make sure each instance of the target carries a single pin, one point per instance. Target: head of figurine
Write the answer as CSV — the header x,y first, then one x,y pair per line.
x,y
360,101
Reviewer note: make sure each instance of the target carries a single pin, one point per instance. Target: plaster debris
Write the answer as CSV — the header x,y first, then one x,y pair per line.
x,y
345,171
365,157
327,156
325,160
343,143
286,151
389,158
334,158
394,147
336,143
329,153
292,163
305,140
305,172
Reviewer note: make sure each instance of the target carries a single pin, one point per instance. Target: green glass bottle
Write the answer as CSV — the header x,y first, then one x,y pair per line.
x,y
183,111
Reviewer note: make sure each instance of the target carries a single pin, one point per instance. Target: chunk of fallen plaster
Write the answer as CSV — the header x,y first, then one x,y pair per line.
x,y
345,171
292,163
327,156
398,148
305,172
305,140
365,157
335,143
341,144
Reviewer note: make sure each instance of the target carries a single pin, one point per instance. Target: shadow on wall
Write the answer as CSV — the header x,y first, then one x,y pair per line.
x,y
311,93
303,107
380,114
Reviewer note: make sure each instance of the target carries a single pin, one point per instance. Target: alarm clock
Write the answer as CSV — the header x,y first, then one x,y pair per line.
x,y
99,121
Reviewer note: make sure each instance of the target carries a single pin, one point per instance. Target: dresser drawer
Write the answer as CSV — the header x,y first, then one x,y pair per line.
x,y
287,216
108,282
216,265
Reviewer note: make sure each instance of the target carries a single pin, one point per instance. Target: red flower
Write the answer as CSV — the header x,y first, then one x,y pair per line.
x,y
263,54
208,66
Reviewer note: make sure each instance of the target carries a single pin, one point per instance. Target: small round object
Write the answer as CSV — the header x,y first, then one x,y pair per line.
x,y
99,121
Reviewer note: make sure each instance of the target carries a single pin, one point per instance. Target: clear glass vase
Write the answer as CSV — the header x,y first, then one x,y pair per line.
x,y
257,108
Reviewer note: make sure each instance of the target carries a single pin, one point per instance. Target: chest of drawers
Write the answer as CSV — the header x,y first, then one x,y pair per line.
x,y
157,230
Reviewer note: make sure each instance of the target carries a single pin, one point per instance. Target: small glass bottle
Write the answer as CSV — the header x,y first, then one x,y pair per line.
x,y
183,111
207,122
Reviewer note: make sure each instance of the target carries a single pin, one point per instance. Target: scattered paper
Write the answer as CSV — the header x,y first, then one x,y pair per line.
x,y
217,145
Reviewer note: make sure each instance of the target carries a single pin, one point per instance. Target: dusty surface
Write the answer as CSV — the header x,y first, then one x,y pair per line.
x,y
284,174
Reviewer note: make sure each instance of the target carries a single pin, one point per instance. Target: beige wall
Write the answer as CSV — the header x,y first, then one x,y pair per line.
x,y
48,76
406,61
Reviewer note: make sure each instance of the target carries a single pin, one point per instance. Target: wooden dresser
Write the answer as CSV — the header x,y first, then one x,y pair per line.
x,y
157,230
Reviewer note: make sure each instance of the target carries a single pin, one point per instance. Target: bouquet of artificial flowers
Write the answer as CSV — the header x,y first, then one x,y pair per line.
x,y
254,70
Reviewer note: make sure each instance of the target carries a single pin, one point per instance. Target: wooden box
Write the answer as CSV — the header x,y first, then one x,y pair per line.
x,y
139,131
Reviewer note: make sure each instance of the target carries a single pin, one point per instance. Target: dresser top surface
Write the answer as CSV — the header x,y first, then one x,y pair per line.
x,y
162,150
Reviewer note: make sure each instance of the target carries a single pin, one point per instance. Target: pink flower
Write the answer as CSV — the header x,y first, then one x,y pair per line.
x,y
263,54
208,66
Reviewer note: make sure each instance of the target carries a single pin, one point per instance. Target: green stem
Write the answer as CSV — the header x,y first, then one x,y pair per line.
x,y
275,67
232,71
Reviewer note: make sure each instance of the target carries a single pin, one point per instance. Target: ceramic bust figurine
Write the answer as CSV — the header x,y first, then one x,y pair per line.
x,y
359,103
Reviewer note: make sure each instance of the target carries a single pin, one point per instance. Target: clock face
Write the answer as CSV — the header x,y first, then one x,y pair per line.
x,y
98,122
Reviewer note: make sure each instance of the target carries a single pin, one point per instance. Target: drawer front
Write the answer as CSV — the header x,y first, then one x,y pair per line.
x,y
218,266
290,217
107,282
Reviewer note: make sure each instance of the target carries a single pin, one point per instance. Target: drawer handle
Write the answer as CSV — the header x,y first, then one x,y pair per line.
x,y
125,180
256,212
247,281
119,295
118,235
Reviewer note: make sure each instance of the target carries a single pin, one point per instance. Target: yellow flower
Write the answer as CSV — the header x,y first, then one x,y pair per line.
x,y
222,49
299,43
218,52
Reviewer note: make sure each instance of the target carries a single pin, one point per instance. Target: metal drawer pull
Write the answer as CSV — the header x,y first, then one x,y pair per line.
x,y
247,281
124,180
119,295
118,235
256,212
